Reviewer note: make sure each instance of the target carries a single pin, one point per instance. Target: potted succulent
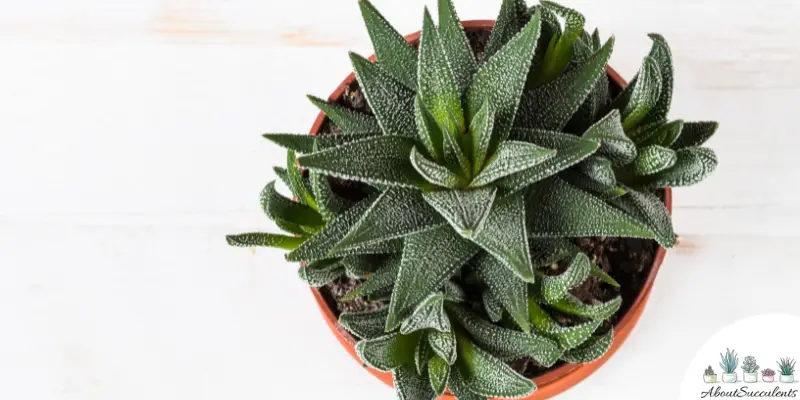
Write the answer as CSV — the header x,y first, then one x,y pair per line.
x,y
709,376
729,362
480,211
750,369
768,375
786,366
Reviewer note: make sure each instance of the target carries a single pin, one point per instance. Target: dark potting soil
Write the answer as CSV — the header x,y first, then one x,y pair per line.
x,y
627,260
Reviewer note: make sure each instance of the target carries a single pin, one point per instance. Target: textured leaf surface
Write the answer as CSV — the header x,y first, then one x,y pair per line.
x,y
614,144
567,337
591,350
560,51
692,166
662,55
506,287
512,157
380,159
645,95
396,213
504,236
652,159
264,240
460,390
360,266
561,210
394,53
545,251
650,210
422,354
695,134
349,121
383,278
444,345
456,45
454,156
509,22
365,325
429,259
433,172
598,273
305,143
410,386
278,207
330,204
465,210
437,85
392,103
572,305
552,288
429,132
439,372
320,273
599,170
453,292
480,131
658,133
387,352
297,183
428,315
486,375
493,307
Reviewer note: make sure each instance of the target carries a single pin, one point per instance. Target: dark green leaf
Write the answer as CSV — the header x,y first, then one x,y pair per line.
x,y
422,354
512,157
264,240
504,236
297,183
662,55
278,207
410,386
305,143
387,352
390,100
456,45
365,325
465,210
552,288
383,278
695,134
645,95
510,21
459,389
439,372
574,306
480,131
394,53
360,266
349,121
665,135
652,160
486,375
430,134
603,276
428,315
614,144
330,204
692,166
650,211
492,306
320,273
443,344
591,350
434,173
506,287
567,337
437,86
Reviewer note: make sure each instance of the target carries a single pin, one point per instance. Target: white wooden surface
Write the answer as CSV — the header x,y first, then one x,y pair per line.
x,y
130,145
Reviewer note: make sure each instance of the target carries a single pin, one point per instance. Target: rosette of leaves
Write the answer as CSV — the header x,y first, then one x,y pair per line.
x,y
709,371
749,365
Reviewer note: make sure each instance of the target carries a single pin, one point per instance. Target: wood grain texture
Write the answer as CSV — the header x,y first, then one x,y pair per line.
x,y
130,144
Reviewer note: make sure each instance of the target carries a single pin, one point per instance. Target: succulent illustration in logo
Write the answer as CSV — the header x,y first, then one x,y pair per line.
x,y
768,375
750,368
729,362
786,366
709,376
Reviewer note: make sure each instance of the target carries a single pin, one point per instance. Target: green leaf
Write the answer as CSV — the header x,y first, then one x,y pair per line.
x,y
410,386
662,135
559,53
465,210
320,273
430,134
365,325
349,121
378,160
652,160
458,388
561,210
434,173
552,105
572,305
662,55
568,337
360,266
278,207
591,350
509,290
383,278
456,45
396,213
501,79
480,131
488,376
394,53
330,204
603,276
390,100
439,372
552,288
443,344
264,240
454,156
512,157
545,251
437,85
692,166
428,315
650,211
507,344
504,236
387,352
492,306
305,143
297,184
510,21
645,95
614,144
422,354
429,259
695,134
454,293
598,169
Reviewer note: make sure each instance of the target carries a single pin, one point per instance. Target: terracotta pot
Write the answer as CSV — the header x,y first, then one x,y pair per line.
x,y
552,382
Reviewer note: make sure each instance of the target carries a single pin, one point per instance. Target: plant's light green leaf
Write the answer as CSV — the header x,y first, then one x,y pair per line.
x,y
460,391
480,131
454,156
512,157
428,315
652,160
650,211
492,306
692,166
645,95
388,352
429,259
560,50
443,344
360,266
297,183
410,386
501,79
439,372
599,170
397,213
305,143
614,144
394,53
663,134
437,85
545,251
506,287
381,159
591,350
330,204
456,45
422,354
291,228
505,343
434,173
567,337
465,210
572,305
453,292
561,210
603,276
486,375
264,240
383,278
430,134
504,236
282,174
695,134
278,207
552,105
320,273
553,288
392,103
662,55
349,121
592,108
510,21
365,325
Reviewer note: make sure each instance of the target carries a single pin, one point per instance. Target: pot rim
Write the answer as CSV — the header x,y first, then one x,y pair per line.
x,y
552,382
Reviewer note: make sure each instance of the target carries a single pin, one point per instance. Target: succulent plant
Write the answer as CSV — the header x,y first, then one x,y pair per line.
x,y
709,371
767,372
749,365
729,361
786,365
477,173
